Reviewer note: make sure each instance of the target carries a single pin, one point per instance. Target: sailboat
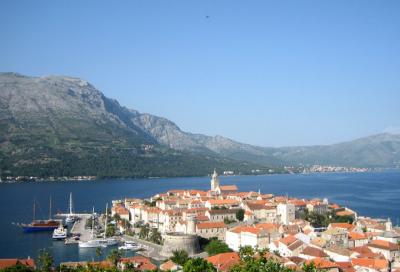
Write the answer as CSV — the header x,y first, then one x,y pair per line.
x,y
41,225
71,217
99,242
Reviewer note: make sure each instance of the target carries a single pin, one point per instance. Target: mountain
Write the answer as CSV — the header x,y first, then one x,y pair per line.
x,y
381,150
64,126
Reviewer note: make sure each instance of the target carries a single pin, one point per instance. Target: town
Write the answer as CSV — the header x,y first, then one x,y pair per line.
x,y
295,231
290,231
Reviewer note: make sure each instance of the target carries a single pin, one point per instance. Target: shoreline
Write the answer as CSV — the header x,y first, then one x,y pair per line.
x,y
20,179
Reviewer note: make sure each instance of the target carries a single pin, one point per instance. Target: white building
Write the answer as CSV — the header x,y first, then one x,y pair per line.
x,y
285,213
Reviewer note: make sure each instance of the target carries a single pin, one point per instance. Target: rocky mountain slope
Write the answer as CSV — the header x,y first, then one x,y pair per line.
x,y
64,126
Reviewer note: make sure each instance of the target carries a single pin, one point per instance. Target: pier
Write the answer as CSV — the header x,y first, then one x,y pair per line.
x,y
79,229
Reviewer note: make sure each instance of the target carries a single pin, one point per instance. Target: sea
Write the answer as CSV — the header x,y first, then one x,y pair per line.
x,y
375,194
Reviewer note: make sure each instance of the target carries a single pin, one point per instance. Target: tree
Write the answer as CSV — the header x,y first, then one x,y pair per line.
x,y
216,247
45,260
259,264
179,257
114,256
198,265
144,232
240,214
309,267
110,231
155,236
18,268
246,253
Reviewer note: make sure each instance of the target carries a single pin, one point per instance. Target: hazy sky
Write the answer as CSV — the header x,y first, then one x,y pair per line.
x,y
261,72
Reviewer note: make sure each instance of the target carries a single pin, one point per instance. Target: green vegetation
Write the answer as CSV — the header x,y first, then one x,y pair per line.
x,y
180,257
216,246
259,264
198,265
229,221
114,256
240,215
323,220
111,230
251,260
45,260
150,234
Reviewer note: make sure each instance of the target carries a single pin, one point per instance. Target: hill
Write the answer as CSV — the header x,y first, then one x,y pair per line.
x,y
63,126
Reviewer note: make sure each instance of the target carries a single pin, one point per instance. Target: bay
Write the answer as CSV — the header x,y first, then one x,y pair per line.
x,y
375,194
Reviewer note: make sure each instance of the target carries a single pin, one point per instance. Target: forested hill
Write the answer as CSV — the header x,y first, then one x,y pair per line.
x,y
63,126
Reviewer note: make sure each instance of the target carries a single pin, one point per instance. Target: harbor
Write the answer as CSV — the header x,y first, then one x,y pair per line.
x,y
19,196
79,230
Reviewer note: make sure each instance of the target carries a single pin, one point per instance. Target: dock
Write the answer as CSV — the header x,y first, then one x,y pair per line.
x,y
79,228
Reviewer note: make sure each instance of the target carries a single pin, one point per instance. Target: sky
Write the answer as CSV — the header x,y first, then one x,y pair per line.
x,y
269,73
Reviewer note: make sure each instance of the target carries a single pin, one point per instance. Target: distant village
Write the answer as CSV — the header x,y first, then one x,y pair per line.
x,y
287,169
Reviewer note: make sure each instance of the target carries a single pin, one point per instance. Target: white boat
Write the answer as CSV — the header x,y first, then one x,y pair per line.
x,y
130,246
99,242
60,233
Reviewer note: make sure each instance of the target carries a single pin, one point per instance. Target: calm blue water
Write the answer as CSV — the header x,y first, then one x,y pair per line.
x,y
372,194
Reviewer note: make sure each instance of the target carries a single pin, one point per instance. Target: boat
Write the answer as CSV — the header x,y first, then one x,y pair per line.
x,y
99,242
130,246
71,217
41,225
60,233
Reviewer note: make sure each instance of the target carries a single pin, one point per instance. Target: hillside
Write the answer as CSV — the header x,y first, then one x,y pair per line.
x,y
63,126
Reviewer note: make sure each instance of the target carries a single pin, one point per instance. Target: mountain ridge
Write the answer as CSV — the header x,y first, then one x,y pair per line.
x,y
53,121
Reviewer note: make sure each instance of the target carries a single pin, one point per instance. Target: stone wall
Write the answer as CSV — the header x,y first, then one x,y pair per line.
x,y
179,241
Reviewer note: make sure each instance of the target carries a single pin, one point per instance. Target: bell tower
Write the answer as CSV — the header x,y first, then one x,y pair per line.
x,y
214,181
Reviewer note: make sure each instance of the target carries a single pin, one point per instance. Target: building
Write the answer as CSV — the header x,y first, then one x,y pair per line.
x,y
211,229
247,236
286,213
6,263
221,215
336,236
390,250
224,261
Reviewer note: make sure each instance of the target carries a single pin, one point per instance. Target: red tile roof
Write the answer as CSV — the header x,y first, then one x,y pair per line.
x,y
228,188
384,245
141,263
322,263
224,261
315,252
371,263
223,202
210,225
4,263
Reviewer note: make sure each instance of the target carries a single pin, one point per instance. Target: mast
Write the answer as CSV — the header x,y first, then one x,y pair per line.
x,y
34,209
50,208
93,224
70,203
105,222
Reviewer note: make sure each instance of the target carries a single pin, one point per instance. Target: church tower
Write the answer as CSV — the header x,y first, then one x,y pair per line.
x,y
214,181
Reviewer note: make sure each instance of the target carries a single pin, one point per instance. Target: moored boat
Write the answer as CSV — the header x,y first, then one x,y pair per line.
x,y
41,225
60,233
130,246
